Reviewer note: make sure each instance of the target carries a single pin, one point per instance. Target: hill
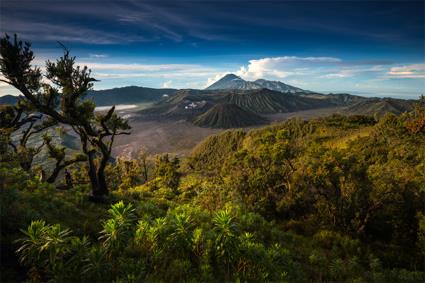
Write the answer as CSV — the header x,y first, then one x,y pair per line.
x,y
128,95
215,150
228,116
337,99
380,106
8,99
184,104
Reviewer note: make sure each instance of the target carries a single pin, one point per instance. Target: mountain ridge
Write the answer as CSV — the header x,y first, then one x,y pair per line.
x,y
232,81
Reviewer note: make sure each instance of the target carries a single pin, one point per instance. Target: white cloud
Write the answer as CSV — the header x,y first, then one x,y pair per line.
x,y
333,76
167,84
282,67
413,71
146,67
98,56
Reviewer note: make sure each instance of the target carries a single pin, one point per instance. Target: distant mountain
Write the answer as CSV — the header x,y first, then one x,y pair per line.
x,y
381,106
337,99
8,99
192,104
128,95
231,81
115,96
278,86
228,116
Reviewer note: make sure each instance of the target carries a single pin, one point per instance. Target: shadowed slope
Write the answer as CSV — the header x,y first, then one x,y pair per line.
x,y
228,116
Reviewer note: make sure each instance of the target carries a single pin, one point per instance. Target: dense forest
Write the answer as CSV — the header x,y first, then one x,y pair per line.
x,y
335,199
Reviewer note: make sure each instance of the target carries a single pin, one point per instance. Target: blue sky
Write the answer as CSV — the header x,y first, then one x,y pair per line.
x,y
362,47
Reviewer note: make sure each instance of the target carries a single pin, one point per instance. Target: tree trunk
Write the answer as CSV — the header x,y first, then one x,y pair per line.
x,y
103,187
54,174
96,192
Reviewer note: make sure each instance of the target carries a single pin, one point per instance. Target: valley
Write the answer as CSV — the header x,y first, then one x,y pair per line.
x,y
180,136
174,121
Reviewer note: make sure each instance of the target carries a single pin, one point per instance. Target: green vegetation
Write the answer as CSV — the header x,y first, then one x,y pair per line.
x,y
379,107
335,199
279,203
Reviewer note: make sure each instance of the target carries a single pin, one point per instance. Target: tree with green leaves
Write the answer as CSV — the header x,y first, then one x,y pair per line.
x,y
21,117
59,94
18,124
167,171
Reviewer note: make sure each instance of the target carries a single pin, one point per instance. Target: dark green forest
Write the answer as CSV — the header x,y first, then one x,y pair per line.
x,y
334,199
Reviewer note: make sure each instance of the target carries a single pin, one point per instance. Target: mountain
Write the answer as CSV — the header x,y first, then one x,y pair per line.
x,y
231,81
115,96
336,99
381,106
128,95
228,116
278,86
190,104
8,99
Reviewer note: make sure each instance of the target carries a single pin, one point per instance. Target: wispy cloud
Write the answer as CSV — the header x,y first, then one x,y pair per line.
x,y
98,56
142,21
36,31
413,71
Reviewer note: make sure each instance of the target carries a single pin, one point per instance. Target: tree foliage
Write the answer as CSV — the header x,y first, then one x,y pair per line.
x,y
61,98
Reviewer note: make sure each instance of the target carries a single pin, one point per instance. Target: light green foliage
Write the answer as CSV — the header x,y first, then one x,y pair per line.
x,y
117,229
51,251
167,173
283,204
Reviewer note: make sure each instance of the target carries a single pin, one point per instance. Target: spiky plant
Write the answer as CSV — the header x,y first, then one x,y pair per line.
x,y
117,229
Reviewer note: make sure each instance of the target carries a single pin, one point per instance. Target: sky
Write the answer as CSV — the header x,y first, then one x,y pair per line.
x,y
372,48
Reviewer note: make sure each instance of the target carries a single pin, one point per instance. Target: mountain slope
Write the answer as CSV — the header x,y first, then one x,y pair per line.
x,y
381,106
269,101
232,81
128,95
184,104
228,116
